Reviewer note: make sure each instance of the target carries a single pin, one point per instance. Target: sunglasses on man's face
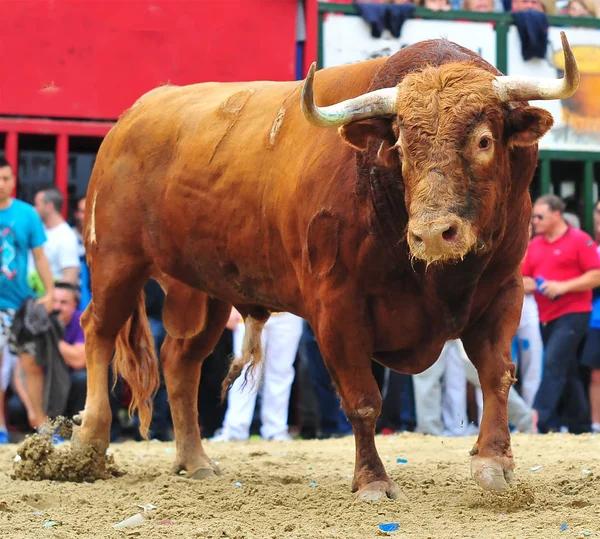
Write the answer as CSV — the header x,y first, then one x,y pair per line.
x,y
537,216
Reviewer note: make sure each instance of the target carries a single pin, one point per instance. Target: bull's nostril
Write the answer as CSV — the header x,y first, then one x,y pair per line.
x,y
450,233
416,239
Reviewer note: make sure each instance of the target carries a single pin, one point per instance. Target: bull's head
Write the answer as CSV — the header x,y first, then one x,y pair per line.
x,y
452,128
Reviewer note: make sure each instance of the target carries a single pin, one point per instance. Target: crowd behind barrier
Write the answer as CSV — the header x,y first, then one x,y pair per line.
x,y
556,349
571,8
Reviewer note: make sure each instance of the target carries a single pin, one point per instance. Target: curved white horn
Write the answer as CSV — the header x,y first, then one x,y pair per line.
x,y
514,88
372,105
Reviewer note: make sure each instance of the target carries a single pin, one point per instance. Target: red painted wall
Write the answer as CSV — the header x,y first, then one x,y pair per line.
x,y
96,57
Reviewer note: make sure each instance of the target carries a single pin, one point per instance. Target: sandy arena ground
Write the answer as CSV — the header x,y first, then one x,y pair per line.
x,y
302,490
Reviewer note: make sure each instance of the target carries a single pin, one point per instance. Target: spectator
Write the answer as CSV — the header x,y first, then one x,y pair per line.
x,y
72,351
21,232
398,408
566,266
581,8
160,427
441,395
332,418
530,347
214,371
281,335
61,248
543,6
434,5
86,285
482,6
591,352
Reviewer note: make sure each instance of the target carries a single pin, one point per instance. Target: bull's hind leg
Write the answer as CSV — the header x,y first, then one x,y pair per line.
x,y
346,346
488,345
182,362
114,297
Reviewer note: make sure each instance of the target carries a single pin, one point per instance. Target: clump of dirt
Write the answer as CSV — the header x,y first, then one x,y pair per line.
x,y
518,497
38,459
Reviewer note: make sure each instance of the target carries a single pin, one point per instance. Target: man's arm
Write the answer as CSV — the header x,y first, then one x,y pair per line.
x,y
43,267
71,275
69,257
73,354
590,279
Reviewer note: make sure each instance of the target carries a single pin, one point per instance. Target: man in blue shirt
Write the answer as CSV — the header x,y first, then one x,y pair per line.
x,y
21,231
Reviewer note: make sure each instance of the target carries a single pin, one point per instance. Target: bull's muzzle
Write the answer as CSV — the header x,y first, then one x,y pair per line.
x,y
442,239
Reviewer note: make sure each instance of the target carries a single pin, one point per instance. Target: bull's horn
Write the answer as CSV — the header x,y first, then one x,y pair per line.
x,y
527,88
372,105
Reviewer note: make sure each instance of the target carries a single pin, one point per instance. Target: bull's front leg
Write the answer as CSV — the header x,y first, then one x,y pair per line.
x,y
488,345
347,350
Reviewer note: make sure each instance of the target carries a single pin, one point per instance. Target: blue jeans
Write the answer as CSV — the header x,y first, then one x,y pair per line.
x,y
333,417
161,414
561,383
398,412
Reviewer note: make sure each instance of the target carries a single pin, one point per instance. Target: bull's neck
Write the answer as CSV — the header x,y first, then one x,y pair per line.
x,y
381,192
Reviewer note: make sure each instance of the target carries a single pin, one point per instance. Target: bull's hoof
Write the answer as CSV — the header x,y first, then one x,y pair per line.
x,y
493,473
80,439
204,470
379,490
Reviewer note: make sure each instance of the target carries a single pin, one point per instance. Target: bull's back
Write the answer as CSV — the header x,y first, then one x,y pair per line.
x,y
223,180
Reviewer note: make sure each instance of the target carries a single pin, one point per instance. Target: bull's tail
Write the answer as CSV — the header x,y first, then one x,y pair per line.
x,y
252,355
136,362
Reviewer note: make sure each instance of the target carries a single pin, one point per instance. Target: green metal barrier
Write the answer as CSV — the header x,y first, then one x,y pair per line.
x,y
503,21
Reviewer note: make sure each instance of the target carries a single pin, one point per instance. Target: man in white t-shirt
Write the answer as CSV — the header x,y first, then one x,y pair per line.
x,y
61,249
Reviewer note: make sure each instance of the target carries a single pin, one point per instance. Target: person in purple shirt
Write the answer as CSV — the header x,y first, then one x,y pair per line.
x,y
72,349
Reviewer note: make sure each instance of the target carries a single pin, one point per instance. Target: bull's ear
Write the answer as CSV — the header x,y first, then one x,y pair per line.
x,y
357,134
527,125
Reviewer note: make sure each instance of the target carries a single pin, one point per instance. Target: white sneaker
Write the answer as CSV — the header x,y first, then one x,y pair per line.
x,y
281,437
222,435
596,427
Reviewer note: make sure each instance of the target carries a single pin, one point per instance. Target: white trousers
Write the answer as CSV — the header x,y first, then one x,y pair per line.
x,y
519,412
280,339
531,349
441,395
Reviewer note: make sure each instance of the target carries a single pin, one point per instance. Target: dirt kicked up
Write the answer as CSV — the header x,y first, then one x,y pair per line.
x,y
302,490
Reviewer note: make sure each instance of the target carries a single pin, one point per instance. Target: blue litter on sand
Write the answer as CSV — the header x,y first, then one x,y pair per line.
x,y
237,484
49,524
402,461
563,527
312,484
389,527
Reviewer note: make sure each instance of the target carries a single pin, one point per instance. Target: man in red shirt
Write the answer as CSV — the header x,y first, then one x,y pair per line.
x,y
561,267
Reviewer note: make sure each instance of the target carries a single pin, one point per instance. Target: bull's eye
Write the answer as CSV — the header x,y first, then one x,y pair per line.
x,y
485,142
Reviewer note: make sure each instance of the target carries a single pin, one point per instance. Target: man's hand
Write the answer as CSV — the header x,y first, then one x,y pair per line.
x,y
47,301
234,319
553,289
529,285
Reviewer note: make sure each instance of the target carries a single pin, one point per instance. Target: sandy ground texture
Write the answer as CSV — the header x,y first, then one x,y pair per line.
x,y
301,489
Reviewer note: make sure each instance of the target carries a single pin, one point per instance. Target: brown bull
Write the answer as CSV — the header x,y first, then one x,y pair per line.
x,y
401,230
